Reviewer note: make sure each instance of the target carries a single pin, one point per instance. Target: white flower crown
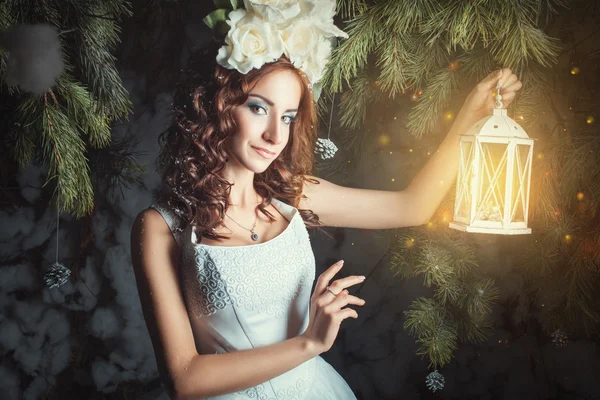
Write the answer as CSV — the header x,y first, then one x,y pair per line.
x,y
303,30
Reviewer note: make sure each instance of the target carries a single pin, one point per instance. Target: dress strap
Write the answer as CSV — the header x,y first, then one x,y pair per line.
x,y
175,223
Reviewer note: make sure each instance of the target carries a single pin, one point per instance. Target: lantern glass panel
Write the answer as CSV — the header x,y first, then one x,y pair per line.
x,y
466,175
520,183
492,178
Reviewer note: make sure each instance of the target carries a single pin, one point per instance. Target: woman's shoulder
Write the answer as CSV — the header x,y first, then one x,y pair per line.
x,y
165,218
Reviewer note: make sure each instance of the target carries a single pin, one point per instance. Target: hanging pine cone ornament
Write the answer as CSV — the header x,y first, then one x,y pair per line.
x,y
56,275
325,148
435,381
559,338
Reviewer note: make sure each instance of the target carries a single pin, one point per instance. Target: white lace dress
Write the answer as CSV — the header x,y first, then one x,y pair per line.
x,y
244,297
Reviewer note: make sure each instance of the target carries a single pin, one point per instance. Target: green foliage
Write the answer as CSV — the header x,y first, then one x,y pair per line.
x,y
414,43
59,127
433,48
462,298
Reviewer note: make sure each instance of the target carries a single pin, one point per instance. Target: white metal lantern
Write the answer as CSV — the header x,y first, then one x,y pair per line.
x,y
494,173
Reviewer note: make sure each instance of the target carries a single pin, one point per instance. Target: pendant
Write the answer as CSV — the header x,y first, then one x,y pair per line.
x,y
254,236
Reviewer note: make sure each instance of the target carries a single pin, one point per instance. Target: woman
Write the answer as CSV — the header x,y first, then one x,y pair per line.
x,y
223,261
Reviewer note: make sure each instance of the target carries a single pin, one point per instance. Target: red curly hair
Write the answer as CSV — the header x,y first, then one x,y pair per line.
x,y
194,148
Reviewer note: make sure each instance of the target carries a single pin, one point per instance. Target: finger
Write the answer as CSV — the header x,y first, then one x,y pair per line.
x,y
513,87
491,80
348,281
347,313
508,81
507,98
343,299
326,276
506,73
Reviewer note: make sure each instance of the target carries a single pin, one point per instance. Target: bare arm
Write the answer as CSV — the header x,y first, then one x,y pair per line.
x,y
216,374
341,206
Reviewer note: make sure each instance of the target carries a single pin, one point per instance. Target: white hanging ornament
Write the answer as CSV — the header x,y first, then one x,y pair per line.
x,y
325,147
34,59
57,274
494,173
435,381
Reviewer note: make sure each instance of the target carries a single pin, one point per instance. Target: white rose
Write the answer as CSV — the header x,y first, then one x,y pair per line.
x,y
314,66
317,8
321,13
274,11
300,38
250,43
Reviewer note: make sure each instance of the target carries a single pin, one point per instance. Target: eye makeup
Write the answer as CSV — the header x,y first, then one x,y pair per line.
x,y
252,105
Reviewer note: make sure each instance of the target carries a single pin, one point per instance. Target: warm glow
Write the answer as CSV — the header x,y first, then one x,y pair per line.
x,y
449,115
540,156
521,117
574,70
579,196
590,119
393,179
492,195
384,140
568,238
410,150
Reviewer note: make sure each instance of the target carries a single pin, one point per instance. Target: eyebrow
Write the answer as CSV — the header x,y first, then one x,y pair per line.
x,y
269,102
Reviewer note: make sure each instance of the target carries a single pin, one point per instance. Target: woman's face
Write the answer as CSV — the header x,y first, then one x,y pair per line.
x,y
264,121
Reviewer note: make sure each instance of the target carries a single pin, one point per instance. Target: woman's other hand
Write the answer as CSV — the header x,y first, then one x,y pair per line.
x,y
326,312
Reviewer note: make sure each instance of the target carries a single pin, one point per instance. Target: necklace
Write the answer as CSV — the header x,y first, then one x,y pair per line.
x,y
254,235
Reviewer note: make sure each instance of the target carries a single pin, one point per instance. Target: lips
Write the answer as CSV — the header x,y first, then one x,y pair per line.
x,y
264,152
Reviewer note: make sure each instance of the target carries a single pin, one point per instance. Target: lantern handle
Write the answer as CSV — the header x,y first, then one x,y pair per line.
x,y
498,104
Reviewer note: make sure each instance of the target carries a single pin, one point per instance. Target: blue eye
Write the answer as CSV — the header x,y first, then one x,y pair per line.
x,y
254,106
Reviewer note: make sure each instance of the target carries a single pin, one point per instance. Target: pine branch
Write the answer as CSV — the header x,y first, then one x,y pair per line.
x,y
62,149
424,116
353,102
406,252
523,42
351,8
435,264
83,110
392,57
436,334
458,24
97,38
404,16
481,296
351,55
